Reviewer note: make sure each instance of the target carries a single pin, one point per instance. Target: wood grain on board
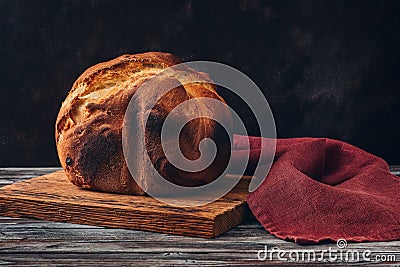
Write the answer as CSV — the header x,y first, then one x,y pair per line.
x,y
52,197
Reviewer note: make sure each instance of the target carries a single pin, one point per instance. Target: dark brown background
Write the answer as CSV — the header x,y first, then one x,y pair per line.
x,y
328,68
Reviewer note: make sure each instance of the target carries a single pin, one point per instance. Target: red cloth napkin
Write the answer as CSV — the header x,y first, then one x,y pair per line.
x,y
320,189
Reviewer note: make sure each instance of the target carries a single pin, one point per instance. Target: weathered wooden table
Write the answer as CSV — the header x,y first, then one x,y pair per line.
x,y
35,242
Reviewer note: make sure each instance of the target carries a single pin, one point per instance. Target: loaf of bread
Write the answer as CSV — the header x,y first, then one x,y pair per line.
x,y
88,128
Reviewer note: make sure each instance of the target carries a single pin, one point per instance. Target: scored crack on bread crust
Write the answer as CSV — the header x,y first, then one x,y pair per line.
x,y
88,128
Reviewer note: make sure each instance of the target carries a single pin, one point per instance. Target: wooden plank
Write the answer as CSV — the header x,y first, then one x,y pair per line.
x,y
53,197
30,242
395,169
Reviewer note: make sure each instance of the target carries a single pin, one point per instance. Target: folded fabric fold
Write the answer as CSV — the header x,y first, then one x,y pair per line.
x,y
320,189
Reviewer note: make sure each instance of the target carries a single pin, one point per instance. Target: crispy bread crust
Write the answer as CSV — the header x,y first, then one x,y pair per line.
x,y
88,128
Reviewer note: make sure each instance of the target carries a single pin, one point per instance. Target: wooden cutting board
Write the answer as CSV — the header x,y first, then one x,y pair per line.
x,y
52,197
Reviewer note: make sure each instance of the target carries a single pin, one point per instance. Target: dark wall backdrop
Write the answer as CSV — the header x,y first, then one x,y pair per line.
x,y
328,68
